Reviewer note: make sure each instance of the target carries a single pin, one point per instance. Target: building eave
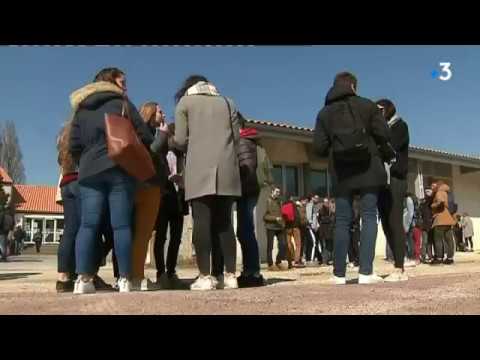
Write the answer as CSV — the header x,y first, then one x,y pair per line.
x,y
305,135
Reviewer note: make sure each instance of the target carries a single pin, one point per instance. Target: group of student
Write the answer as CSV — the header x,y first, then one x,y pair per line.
x,y
207,161
367,144
434,231
304,229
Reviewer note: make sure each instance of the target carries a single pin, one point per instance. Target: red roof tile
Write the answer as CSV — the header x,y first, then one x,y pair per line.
x,y
37,199
6,179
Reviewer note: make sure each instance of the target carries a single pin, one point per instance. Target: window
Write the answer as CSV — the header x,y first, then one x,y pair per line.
x,y
277,176
433,171
291,177
59,233
287,179
316,182
49,231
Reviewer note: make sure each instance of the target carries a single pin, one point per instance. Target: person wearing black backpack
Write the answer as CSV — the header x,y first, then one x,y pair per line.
x,y
392,197
350,130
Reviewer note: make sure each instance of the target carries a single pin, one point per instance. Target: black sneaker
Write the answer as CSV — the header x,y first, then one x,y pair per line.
x,y
436,262
101,285
251,281
448,261
65,286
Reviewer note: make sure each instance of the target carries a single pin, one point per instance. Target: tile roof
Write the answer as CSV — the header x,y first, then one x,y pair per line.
x,y
37,199
6,179
413,148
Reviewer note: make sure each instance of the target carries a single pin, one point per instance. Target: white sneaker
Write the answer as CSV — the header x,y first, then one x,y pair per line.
x,y
351,265
335,280
230,281
369,279
203,283
410,263
84,287
124,285
396,276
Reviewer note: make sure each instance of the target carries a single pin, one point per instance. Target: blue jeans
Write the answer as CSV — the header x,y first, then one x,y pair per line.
x,y
117,189
246,235
72,214
368,236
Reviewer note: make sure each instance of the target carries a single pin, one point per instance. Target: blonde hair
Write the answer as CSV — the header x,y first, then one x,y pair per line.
x,y
148,111
65,159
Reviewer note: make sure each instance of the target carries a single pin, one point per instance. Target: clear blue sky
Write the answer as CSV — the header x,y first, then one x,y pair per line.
x,y
285,84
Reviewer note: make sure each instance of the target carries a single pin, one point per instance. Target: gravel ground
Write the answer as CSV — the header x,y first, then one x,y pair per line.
x,y
27,286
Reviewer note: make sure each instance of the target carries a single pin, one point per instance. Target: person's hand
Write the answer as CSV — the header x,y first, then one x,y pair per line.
x,y
279,219
163,127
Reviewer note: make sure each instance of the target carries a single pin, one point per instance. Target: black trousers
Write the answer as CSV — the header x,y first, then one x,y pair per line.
x,y
38,245
306,239
390,207
325,236
353,249
169,214
212,221
469,240
282,246
444,243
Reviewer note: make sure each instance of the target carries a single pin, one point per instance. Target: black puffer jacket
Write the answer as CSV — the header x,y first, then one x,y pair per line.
x,y
363,176
400,142
158,151
427,213
87,139
247,158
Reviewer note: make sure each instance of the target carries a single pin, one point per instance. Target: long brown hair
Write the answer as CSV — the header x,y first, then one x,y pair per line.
x,y
109,75
148,111
65,159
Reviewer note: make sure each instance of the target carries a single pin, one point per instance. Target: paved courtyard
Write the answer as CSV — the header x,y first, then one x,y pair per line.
x,y
27,286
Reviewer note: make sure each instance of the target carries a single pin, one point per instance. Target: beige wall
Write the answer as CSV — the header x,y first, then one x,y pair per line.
x,y
285,151
466,186
467,196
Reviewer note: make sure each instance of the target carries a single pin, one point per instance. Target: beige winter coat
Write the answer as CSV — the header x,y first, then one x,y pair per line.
x,y
441,215
211,134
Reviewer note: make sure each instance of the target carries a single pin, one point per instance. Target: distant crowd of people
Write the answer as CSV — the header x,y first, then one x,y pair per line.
x,y
127,174
434,232
12,238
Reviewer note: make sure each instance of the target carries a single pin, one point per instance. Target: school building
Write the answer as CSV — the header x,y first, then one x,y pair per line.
x,y
298,171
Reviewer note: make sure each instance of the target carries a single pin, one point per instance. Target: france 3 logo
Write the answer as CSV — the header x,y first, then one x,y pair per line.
x,y
445,72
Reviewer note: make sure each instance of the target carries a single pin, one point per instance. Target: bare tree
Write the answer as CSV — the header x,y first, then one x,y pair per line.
x,y
11,154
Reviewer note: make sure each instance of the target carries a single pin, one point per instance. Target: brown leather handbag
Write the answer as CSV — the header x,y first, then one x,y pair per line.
x,y
124,146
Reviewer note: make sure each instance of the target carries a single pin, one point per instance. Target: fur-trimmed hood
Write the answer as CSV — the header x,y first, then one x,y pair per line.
x,y
80,95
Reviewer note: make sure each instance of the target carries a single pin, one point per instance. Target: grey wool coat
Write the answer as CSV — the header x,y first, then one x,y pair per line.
x,y
211,135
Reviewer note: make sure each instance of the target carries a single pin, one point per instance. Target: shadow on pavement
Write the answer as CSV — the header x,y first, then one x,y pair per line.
x,y
273,281
24,260
16,276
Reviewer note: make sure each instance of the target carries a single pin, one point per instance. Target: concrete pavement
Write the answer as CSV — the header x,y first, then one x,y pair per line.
x,y
27,286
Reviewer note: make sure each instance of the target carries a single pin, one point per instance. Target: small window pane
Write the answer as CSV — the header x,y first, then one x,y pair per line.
x,y
277,176
291,174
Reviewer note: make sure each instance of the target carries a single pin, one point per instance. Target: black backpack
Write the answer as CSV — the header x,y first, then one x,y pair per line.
x,y
351,145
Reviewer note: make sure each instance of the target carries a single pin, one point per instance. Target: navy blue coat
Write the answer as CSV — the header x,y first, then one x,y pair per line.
x,y
87,139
